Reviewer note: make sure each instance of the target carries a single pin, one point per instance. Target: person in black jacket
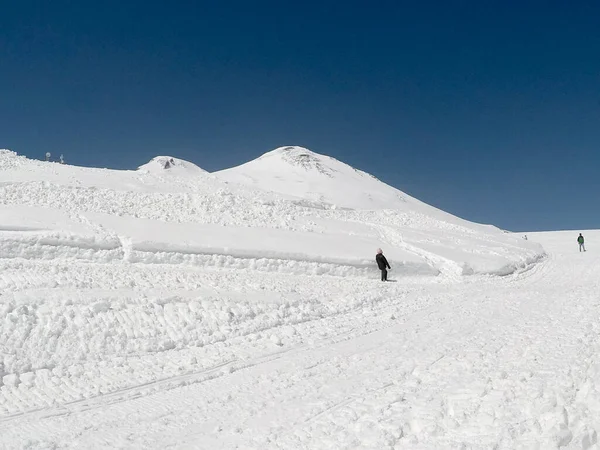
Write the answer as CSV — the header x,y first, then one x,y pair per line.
x,y
382,263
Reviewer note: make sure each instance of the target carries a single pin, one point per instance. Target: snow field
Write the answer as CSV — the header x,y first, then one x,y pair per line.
x,y
180,309
507,363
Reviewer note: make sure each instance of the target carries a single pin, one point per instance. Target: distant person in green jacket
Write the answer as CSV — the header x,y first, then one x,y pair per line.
x,y
581,242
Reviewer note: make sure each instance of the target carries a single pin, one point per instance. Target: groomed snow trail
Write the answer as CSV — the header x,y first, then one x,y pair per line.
x,y
298,361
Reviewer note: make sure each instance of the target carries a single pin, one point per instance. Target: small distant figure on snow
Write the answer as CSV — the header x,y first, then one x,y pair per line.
x,y
62,159
382,263
525,237
581,242
48,156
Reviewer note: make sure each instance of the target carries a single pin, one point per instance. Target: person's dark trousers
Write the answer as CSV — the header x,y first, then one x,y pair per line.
x,y
383,274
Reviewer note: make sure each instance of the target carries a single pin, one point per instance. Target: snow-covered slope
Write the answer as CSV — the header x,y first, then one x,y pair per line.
x,y
299,172
19,169
207,220
146,310
116,354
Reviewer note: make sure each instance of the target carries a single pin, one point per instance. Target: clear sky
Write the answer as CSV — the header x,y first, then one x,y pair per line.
x,y
487,109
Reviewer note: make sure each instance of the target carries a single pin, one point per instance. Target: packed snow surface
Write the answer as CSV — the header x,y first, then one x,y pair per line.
x,y
164,308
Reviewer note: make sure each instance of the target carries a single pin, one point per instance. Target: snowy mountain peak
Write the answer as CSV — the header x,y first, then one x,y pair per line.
x,y
163,164
299,172
292,152
303,158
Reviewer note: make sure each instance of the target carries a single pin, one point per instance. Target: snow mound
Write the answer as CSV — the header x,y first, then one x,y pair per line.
x,y
169,164
10,159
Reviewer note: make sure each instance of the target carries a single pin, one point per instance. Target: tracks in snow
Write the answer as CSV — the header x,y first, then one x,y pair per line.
x,y
93,331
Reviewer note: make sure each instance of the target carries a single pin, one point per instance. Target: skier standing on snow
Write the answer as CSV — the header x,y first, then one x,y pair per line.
x,y
382,263
581,242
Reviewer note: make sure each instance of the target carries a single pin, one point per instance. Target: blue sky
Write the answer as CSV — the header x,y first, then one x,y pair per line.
x,y
489,110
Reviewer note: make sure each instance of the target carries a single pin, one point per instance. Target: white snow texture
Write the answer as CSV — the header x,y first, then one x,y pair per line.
x,y
170,307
